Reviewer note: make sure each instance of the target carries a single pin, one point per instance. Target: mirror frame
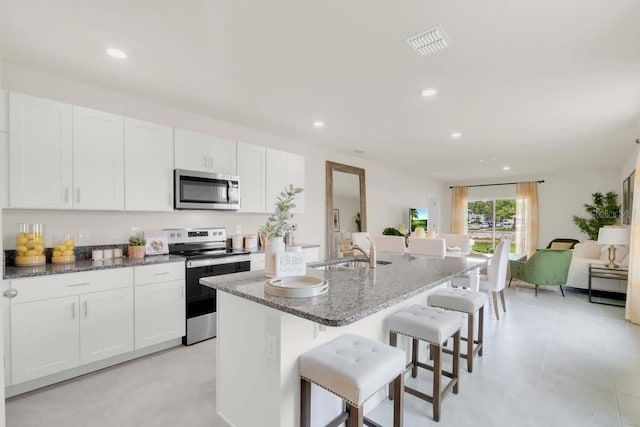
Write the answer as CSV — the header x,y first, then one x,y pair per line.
x,y
339,167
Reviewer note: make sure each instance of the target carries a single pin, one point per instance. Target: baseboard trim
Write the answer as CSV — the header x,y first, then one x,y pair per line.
x,y
17,389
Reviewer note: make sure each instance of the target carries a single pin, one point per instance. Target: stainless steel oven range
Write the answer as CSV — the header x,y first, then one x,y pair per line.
x,y
207,255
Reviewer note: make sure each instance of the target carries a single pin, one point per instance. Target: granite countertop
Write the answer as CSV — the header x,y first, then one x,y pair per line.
x,y
353,294
260,250
86,265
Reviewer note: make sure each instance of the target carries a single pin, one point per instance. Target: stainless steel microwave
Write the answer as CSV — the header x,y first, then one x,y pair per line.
x,y
203,190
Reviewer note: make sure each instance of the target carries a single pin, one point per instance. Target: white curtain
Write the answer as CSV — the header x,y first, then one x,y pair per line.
x,y
459,208
527,228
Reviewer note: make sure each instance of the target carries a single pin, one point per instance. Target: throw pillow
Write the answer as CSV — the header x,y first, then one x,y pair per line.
x,y
561,245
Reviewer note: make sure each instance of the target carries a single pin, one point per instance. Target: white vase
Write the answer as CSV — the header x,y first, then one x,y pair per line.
x,y
275,245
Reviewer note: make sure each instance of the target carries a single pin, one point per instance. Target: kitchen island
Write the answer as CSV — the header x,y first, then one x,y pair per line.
x,y
260,337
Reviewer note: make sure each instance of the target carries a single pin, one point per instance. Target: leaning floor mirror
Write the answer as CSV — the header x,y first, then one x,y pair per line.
x,y
346,205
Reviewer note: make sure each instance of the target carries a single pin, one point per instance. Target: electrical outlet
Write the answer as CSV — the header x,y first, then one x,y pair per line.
x,y
238,229
83,235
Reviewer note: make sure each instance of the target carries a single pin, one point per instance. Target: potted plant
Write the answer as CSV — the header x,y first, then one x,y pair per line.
x,y
137,246
277,225
605,210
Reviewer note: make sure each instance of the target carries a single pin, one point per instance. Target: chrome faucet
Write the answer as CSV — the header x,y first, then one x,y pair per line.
x,y
371,256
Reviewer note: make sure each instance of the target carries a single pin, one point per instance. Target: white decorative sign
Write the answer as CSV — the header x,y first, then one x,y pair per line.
x,y
290,264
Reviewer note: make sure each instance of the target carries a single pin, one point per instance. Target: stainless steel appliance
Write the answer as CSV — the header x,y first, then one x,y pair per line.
x,y
203,190
207,255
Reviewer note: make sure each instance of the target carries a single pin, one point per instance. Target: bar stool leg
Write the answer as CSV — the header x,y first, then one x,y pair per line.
x,y
305,403
436,351
356,416
414,359
398,400
495,304
481,329
456,358
393,342
470,342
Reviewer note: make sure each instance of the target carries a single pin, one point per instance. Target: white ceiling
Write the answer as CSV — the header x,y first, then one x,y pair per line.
x,y
539,85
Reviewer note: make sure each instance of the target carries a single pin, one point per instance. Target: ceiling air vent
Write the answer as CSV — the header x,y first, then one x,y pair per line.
x,y
430,41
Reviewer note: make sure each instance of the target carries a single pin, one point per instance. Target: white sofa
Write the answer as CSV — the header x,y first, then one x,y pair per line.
x,y
590,252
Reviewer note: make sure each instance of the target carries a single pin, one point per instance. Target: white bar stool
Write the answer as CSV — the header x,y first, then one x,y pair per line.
x,y
435,326
354,368
469,302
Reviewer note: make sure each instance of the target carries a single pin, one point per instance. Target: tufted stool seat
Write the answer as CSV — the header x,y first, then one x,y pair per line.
x,y
435,326
469,302
354,368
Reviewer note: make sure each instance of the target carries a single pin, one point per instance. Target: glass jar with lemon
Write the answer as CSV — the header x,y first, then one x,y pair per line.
x,y
63,246
30,245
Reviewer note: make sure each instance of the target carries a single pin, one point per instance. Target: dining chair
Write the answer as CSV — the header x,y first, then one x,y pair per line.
x,y
496,277
461,241
390,244
435,247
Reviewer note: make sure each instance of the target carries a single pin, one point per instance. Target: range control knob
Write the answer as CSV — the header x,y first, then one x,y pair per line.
x,y
172,235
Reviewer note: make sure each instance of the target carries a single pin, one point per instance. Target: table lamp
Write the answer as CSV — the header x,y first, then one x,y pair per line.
x,y
613,235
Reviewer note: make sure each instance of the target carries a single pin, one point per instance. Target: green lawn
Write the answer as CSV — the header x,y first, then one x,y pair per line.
x,y
485,247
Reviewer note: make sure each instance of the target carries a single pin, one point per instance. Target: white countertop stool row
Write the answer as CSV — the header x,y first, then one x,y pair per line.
x,y
468,302
435,326
354,368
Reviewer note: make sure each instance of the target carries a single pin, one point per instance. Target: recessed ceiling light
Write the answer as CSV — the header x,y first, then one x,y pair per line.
x,y
506,168
358,151
429,92
318,124
116,53
456,134
480,161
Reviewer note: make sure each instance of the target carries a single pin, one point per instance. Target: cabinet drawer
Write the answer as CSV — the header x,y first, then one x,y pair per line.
x,y
62,285
159,273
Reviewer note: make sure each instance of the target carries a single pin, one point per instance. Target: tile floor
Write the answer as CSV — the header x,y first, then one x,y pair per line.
x,y
550,361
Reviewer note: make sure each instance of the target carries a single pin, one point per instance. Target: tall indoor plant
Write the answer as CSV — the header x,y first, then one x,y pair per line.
x,y
277,225
605,210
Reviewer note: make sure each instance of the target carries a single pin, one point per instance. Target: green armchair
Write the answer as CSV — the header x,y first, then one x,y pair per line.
x,y
547,267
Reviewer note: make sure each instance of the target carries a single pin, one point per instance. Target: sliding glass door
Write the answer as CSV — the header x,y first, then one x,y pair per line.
x,y
490,221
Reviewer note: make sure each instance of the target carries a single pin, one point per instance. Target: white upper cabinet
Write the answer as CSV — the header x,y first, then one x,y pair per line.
x,y
251,170
40,153
148,166
98,160
204,153
296,176
276,177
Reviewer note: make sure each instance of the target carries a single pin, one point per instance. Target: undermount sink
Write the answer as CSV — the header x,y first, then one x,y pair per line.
x,y
349,265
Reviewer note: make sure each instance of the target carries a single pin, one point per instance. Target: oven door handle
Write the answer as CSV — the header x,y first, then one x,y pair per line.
x,y
217,261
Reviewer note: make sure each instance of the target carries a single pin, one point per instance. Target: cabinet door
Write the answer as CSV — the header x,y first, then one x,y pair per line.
x,y
222,155
40,148
191,150
296,176
159,313
98,160
44,338
276,176
106,324
4,149
251,170
148,166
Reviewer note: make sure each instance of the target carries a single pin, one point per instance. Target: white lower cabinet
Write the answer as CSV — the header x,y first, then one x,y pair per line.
x,y
106,324
159,312
44,338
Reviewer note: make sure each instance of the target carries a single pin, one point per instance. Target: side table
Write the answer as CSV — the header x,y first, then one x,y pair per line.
x,y
599,296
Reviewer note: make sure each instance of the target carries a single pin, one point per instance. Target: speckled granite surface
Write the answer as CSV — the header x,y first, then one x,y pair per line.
x,y
86,265
353,293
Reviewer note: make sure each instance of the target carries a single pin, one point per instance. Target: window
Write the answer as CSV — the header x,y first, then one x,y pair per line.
x,y
490,221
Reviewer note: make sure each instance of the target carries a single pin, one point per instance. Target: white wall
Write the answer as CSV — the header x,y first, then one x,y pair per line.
x,y
561,196
389,192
